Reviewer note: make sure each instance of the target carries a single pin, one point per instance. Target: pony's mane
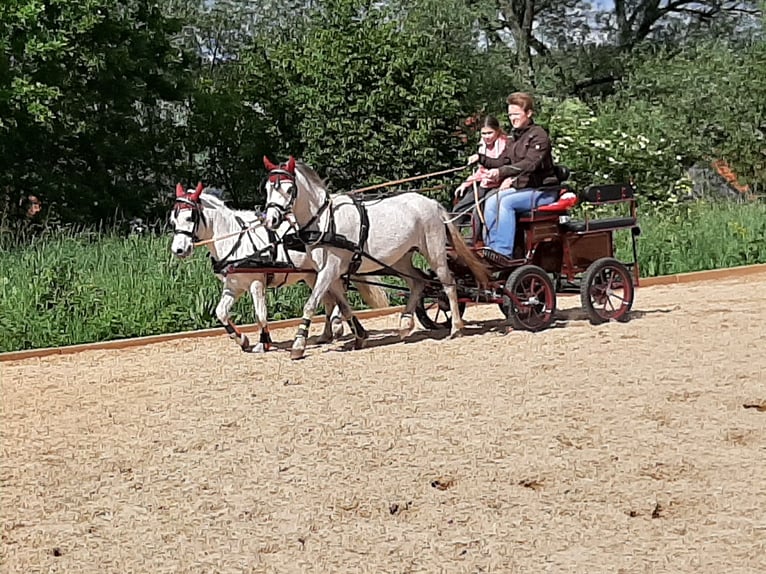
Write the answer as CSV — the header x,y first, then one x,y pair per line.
x,y
310,175
214,201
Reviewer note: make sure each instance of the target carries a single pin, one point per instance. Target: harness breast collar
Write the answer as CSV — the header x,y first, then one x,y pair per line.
x,y
270,250
311,237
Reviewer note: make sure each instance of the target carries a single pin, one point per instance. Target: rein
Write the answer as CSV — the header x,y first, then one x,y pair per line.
x,y
407,179
253,225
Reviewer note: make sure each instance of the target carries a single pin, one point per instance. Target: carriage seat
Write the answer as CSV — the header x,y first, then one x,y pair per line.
x,y
599,224
554,185
612,193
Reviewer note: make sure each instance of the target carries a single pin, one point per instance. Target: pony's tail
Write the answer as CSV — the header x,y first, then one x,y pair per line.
x,y
375,297
464,254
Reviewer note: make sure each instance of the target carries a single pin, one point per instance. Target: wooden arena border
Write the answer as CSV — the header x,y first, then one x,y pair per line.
x,y
721,274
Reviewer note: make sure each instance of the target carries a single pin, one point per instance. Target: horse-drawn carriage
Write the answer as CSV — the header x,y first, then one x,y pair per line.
x,y
337,238
554,254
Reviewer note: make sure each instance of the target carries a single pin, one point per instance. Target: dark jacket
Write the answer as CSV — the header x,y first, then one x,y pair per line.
x,y
527,157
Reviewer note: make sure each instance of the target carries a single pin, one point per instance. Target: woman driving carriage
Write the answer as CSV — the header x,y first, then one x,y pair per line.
x,y
524,165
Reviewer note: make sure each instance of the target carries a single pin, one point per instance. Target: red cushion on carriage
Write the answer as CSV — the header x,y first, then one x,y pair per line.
x,y
566,201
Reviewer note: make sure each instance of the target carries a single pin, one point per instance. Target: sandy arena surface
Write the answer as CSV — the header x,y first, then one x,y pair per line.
x,y
618,448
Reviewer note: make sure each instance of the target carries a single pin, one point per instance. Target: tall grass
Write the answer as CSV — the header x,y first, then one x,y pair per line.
x,y
699,236
78,287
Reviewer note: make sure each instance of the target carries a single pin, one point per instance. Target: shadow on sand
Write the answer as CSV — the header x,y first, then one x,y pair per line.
x,y
385,337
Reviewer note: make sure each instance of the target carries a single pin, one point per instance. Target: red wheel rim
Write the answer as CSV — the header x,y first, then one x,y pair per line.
x,y
532,299
611,293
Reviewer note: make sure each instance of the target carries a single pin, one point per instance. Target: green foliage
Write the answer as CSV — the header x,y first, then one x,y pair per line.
x,y
604,149
80,91
708,100
699,236
372,95
69,288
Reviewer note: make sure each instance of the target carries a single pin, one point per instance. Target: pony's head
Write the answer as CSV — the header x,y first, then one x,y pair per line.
x,y
281,191
185,219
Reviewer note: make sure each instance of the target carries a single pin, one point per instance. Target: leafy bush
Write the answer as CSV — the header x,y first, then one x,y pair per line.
x,y
373,95
598,149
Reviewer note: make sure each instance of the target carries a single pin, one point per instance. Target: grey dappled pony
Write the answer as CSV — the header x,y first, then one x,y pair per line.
x,y
341,232
235,235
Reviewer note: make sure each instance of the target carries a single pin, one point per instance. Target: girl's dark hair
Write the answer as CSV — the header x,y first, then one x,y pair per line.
x,y
492,123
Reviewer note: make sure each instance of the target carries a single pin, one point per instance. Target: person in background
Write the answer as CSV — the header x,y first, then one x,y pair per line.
x,y
30,206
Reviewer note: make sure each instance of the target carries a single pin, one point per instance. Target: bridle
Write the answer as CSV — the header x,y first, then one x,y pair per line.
x,y
188,202
275,175
275,178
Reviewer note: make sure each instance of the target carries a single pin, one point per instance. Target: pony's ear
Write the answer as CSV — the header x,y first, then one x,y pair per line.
x,y
180,190
291,164
197,192
267,164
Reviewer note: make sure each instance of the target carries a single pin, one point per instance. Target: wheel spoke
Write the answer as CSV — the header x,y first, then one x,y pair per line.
x,y
607,291
618,297
538,291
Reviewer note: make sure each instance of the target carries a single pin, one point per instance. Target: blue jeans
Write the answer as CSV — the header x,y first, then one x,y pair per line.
x,y
500,214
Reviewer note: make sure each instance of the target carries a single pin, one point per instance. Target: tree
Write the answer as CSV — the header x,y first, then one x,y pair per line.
x,y
373,92
80,88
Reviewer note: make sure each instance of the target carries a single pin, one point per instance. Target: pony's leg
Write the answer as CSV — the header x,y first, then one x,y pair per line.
x,y
436,255
347,312
228,298
336,321
324,281
329,333
258,293
328,302
415,283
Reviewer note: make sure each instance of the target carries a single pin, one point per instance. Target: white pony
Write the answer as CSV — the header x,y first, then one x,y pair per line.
x,y
344,236
235,235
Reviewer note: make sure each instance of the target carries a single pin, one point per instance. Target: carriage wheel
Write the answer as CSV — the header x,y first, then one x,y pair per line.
x,y
606,291
434,313
529,299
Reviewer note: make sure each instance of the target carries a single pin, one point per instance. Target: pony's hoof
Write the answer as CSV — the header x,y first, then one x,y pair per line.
x,y
337,328
299,347
456,334
406,326
259,348
360,343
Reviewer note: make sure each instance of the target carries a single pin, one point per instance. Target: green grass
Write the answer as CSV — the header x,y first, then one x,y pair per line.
x,y
68,288
699,236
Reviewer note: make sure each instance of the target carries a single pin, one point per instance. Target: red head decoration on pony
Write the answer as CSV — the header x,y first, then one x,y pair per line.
x,y
191,196
289,167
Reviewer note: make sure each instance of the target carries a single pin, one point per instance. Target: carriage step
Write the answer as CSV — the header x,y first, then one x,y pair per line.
x,y
497,258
